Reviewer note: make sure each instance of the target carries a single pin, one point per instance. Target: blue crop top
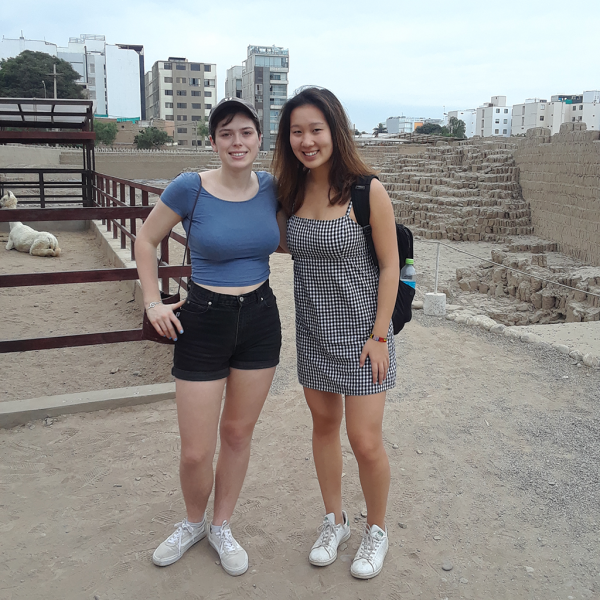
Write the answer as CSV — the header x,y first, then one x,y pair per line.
x,y
230,242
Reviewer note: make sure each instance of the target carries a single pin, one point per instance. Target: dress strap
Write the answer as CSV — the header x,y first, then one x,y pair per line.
x,y
349,208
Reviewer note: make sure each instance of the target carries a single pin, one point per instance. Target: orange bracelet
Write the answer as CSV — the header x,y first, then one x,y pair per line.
x,y
377,339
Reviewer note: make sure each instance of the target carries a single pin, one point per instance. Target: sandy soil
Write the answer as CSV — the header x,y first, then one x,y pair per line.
x,y
493,444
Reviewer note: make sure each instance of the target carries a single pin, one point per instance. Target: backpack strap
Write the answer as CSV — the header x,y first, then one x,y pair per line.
x,y
362,210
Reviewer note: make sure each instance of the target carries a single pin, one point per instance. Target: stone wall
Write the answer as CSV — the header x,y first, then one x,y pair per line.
x,y
560,179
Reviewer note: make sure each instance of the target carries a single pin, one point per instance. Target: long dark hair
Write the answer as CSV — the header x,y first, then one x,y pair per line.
x,y
346,164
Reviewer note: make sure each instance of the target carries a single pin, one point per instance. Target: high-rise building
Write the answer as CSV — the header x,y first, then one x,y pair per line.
x,y
469,117
183,92
494,118
265,85
233,83
113,74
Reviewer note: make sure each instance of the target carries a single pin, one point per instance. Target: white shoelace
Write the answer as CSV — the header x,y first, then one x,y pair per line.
x,y
368,545
177,536
227,542
327,531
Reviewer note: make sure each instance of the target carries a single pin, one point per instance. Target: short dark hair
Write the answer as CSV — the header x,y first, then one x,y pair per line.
x,y
346,164
224,112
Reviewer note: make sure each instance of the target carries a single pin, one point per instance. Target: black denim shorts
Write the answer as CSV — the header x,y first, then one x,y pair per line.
x,y
222,331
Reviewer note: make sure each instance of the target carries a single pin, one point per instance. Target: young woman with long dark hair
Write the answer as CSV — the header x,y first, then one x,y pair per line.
x,y
344,304
228,331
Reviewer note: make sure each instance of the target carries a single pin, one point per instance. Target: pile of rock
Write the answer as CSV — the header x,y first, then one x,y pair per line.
x,y
531,287
465,191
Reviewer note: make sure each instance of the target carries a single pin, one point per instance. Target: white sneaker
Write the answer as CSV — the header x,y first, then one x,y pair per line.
x,y
324,551
368,561
184,537
234,558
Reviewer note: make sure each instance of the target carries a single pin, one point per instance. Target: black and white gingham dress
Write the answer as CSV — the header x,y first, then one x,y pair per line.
x,y
335,290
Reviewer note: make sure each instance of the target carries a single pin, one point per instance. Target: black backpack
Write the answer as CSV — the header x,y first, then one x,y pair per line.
x,y
360,201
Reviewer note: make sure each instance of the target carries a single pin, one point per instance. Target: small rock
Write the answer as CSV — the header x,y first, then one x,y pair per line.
x,y
437,537
395,446
419,451
447,565
32,426
363,512
253,571
306,458
529,569
136,373
552,483
343,474
35,305
138,478
417,304
117,485
562,348
253,585
402,525
343,546
115,370
589,360
463,580
48,421
217,562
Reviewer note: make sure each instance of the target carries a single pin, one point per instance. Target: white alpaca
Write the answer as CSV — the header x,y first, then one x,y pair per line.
x,y
26,239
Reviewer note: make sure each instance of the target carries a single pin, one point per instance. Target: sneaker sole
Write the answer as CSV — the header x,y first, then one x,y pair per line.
x,y
169,561
332,560
232,572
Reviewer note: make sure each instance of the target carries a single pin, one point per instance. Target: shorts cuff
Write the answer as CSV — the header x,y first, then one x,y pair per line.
x,y
200,375
254,365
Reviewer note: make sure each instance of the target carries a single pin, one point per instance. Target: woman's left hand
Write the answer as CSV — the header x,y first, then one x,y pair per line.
x,y
380,359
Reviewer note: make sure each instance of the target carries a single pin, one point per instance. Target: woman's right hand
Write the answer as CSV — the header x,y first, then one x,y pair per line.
x,y
163,319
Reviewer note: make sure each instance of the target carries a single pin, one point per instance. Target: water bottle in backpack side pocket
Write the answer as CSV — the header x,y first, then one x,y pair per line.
x,y
408,274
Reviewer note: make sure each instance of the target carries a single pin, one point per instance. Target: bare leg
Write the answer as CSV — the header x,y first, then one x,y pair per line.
x,y
198,408
244,398
327,410
364,419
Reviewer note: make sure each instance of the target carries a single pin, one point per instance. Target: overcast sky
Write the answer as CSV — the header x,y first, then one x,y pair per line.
x,y
381,58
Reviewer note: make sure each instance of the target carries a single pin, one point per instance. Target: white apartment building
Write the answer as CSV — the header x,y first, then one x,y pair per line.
x,y
265,85
233,82
562,108
468,117
494,118
113,74
183,92
408,124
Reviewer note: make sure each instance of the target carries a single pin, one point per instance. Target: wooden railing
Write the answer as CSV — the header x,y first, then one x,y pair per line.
x,y
118,203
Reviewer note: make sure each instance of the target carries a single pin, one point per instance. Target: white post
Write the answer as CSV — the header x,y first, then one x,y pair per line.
x,y
437,267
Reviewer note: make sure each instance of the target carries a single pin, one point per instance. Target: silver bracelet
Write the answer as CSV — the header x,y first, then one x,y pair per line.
x,y
153,304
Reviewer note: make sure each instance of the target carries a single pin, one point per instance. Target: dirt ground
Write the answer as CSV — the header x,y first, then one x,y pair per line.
x,y
494,448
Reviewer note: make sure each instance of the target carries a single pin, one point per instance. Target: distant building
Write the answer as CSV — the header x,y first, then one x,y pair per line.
x,y
562,108
183,92
233,83
408,124
468,117
265,85
113,74
494,118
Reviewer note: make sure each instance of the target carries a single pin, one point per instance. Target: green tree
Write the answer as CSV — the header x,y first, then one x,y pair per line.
x,y
22,76
151,137
430,129
456,128
202,130
381,128
106,132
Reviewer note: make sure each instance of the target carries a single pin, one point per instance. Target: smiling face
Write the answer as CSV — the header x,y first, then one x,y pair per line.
x,y
237,142
310,137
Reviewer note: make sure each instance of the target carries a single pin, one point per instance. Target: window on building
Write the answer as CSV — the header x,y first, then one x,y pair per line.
x,y
196,117
573,119
181,92
482,122
497,121
181,79
182,130
92,67
497,110
208,106
168,67
207,68
168,117
581,107
505,131
579,118
168,105
196,105
168,92
505,121
182,142
278,89
92,94
505,110
182,105
168,80
194,67
574,107
91,81
523,110
542,107
196,93
496,131
182,117
194,81
209,83
208,94
276,76
180,66
522,121
541,117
